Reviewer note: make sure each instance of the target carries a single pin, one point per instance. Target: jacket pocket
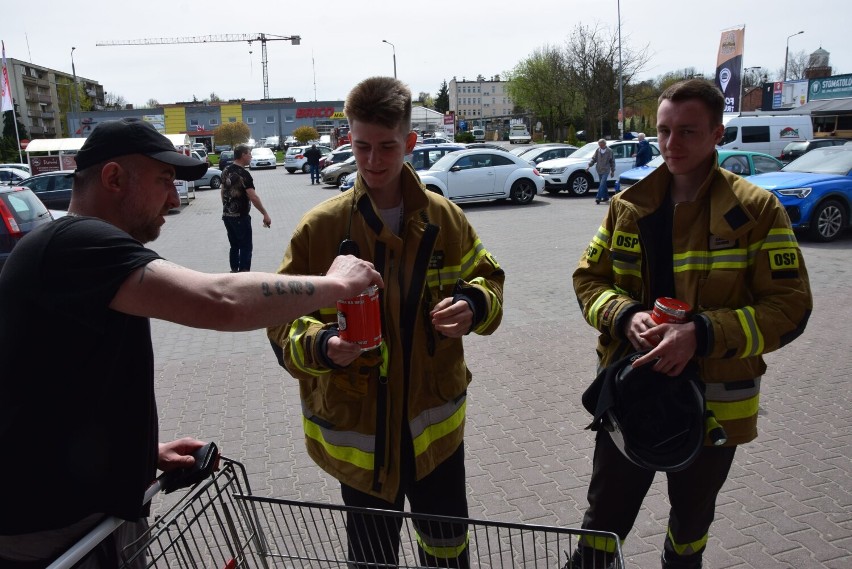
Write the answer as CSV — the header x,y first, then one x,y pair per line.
x,y
721,289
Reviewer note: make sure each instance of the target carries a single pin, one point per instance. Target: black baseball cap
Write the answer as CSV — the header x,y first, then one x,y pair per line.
x,y
111,139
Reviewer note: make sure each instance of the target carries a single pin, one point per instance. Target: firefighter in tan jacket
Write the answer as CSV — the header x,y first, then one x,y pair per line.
x,y
707,237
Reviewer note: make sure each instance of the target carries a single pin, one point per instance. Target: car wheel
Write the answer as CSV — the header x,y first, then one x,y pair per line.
x,y
306,168
215,182
827,221
579,183
291,170
341,178
435,189
523,191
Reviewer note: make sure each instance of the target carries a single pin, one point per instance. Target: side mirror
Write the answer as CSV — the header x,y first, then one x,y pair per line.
x,y
455,169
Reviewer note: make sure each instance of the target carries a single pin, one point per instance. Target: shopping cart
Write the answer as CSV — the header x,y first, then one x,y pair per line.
x,y
219,524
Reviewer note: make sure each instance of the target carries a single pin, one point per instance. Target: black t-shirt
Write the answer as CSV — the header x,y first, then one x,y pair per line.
x,y
78,417
235,181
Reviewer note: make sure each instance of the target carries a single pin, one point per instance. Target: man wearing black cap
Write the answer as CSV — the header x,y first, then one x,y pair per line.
x,y
79,424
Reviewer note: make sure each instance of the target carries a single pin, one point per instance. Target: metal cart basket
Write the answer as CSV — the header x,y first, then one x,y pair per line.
x,y
220,524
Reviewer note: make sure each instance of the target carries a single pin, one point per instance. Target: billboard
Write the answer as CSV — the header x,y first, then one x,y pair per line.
x,y
729,64
836,87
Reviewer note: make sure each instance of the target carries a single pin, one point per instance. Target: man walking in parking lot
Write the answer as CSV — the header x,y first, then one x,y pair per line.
x,y
695,232
313,156
81,421
604,163
238,195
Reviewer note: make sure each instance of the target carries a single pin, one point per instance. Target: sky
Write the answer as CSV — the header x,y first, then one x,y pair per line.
x,y
341,41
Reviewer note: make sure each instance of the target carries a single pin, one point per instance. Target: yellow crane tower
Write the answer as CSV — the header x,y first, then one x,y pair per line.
x,y
262,38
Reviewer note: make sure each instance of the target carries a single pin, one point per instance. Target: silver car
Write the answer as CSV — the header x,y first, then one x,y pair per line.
x,y
295,158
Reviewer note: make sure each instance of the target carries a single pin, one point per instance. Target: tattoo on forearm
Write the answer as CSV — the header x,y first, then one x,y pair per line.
x,y
279,288
152,267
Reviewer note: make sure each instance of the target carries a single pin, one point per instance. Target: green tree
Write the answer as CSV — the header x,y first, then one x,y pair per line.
x,y
304,134
232,133
442,100
9,150
542,84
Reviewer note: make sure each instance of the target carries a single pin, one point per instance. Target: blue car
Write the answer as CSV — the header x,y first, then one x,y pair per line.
x,y
816,191
740,162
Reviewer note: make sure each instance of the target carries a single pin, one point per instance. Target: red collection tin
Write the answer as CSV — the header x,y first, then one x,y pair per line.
x,y
669,310
359,319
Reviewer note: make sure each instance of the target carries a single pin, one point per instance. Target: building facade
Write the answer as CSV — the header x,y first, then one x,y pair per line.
x,y
45,96
481,102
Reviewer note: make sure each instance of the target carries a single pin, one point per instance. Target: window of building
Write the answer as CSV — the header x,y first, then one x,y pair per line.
x,y
289,118
270,119
232,119
193,122
214,122
249,120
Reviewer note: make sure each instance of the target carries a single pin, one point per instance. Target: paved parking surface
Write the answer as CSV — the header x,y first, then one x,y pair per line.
x,y
787,504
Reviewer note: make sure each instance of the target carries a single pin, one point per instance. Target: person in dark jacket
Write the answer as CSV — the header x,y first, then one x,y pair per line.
x,y
643,152
313,156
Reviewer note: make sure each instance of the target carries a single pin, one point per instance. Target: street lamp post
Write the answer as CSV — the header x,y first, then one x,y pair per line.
x,y
393,47
76,96
620,75
787,53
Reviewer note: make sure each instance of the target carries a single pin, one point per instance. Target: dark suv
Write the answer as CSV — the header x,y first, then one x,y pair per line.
x,y
52,188
20,212
226,157
798,147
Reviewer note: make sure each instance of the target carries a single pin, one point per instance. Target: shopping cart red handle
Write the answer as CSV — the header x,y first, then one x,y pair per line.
x,y
206,462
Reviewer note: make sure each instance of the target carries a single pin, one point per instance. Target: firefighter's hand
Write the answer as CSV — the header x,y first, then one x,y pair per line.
x,y
639,323
674,349
341,352
452,319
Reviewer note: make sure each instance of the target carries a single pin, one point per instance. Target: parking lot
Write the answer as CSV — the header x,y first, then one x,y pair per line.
x,y
787,503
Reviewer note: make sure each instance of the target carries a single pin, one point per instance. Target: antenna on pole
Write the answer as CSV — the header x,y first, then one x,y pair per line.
x,y
313,64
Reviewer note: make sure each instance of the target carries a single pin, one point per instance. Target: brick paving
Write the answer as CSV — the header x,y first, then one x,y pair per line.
x,y
787,503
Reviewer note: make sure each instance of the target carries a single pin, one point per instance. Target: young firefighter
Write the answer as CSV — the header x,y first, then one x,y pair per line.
x,y
389,423
707,237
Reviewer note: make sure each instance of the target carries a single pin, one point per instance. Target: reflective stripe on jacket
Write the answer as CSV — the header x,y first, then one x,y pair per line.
x,y
352,416
736,262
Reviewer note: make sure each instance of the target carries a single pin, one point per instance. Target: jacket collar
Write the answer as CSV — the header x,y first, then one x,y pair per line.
x,y
729,218
414,196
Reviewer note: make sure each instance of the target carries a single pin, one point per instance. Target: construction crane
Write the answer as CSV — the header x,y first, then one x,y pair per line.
x,y
262,38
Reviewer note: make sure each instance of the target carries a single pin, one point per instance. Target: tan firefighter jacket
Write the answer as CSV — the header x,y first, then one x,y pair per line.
x,y
352,417
736,262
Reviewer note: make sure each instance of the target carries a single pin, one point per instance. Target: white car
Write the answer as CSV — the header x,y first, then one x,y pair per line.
x,y
11,176
295,159
262,158
570,173
476,175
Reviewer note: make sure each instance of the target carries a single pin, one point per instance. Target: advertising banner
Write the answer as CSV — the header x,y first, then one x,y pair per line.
x,y
836,87
729,64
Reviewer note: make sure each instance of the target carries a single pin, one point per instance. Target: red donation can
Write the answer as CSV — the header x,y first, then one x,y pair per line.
x,y
359,319
669,310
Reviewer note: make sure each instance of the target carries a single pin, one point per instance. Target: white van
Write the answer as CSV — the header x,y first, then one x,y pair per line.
x,y
478,134
765,133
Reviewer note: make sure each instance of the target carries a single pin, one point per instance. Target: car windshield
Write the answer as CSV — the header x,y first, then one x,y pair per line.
x,y
444,163
261,152
833,160
585,151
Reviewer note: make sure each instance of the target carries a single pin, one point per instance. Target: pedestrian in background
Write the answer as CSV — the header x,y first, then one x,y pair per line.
x,y
643,151
81,423
692,231
238,194
388,423
604,163
313,155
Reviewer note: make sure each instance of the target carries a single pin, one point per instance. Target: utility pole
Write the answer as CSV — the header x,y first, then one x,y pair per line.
x,y
76,95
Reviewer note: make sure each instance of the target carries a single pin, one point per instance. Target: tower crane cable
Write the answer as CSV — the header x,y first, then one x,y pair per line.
x,y
262,38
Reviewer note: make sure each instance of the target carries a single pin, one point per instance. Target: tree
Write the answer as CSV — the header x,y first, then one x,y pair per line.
x,y
232,133
214,98
426,99
305,134
113,101
442,100
151,104
797,63
9,149
593,54
542,84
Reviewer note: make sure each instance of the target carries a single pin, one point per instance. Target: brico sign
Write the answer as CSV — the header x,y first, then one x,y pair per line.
x,y
314,112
